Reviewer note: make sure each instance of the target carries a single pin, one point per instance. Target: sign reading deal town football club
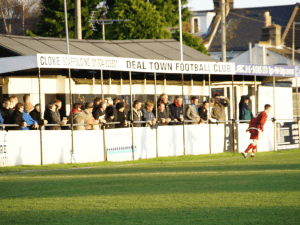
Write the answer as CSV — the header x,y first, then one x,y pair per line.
x,y
266,70
134,65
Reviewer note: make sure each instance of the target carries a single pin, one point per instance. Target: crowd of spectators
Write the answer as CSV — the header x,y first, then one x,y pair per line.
x,y
110,113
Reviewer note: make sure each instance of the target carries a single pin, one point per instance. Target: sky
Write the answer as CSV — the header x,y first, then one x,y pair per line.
x,y
195,5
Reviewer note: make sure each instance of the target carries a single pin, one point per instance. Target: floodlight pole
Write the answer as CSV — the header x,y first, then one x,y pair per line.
x,y
70,81
180,30
293,59
182,78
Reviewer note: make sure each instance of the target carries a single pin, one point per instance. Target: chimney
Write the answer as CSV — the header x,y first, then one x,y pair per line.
x,y
217,5
272,34
268,19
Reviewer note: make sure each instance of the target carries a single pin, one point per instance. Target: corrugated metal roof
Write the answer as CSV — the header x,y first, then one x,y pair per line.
x,y
165,49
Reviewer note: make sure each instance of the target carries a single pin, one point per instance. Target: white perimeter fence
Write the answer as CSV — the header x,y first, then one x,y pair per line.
x,y
23,147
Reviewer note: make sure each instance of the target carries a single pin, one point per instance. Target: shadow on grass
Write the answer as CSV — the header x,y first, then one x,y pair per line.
x,y
70,186
185,215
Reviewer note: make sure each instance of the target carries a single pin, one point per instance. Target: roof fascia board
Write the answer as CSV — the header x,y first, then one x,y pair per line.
x,y
286,31
17,63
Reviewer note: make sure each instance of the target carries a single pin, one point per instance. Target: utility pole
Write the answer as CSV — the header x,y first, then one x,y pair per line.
x,y
78,28
223,16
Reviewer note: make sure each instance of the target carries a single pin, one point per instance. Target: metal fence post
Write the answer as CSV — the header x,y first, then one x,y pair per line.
x,y
40,128
131,108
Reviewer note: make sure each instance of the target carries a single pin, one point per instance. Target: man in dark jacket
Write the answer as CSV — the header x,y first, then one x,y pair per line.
x,y
164,98
17,117
6,111
176,110
53,117
121,116
111,113
35,114
162,116
137,113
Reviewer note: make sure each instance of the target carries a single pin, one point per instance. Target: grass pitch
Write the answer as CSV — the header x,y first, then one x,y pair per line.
x,y
209,189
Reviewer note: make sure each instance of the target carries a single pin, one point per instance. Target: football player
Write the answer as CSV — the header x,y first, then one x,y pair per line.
x,y
257,123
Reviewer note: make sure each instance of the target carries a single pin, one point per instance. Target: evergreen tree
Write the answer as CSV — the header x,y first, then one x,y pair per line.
x,y
52,20
146,21
191,41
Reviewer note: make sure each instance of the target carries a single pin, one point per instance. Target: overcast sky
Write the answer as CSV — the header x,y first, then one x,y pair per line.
x,y
208,4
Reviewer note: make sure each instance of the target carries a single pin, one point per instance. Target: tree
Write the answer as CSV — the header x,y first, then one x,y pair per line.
x,y
146,21
12,10
52,20
191,41
169,10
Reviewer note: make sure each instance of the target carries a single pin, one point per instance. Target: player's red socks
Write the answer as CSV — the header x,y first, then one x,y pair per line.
x,y
249,148
253,150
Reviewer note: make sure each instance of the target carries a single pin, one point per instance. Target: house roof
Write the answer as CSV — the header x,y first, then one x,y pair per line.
x,y
166,49
244,26
286,52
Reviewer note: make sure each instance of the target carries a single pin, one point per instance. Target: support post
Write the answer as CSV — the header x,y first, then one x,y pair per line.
x,y
131,109
209,110
180,30
233,115
78,27
223,17
102,96
71,104
103,31
182,80
255,96
155,105
275,138
41,133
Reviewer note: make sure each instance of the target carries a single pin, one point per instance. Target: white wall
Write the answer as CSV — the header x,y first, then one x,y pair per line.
x,y
204,22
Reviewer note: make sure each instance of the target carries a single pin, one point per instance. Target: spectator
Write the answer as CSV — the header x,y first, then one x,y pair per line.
x,y
245,113
76,108
27,103
116,101
26,116
192,111
36,115
121,116
96,109
58,105
148,115
137,113
81,117
17,117
164,98
111,113
1,121
204,111
13,102
162,116
6,111
218,111
102,113
176,110
93,124
52,117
